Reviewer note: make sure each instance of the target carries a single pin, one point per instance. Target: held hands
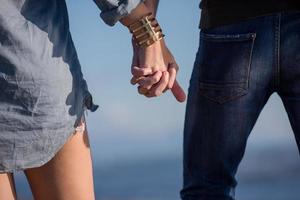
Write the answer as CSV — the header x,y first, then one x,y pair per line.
x,y
154,69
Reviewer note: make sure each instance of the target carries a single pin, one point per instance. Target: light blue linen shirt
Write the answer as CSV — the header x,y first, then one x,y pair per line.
x,y
43,93
113,10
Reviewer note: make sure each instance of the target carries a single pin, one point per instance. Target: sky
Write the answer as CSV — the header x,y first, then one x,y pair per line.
x,y
137,142
129,126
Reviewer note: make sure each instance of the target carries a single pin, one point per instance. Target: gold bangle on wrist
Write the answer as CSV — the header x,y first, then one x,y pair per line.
x,y
146,31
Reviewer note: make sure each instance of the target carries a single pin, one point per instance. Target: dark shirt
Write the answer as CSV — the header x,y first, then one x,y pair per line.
x,y
222,12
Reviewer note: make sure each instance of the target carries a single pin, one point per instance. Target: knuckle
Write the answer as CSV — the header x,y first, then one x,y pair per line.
x,y
148,95
155,68
143,90
157,93
144,72
155,79
137,73
151,93
140,90
165,81
148,87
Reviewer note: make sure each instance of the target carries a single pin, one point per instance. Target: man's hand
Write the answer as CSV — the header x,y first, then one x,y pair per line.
x,y
154,69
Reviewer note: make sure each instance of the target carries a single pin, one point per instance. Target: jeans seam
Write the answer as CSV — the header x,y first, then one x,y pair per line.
x,y
250,61
277,50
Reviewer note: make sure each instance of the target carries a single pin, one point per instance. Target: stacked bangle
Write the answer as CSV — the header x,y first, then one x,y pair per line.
x,y
146,31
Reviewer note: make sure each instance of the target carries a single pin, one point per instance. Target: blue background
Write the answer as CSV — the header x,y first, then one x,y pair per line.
x,y
137,142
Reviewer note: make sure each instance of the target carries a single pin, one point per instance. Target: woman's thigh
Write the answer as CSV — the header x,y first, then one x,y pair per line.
x,y
7,187
68,175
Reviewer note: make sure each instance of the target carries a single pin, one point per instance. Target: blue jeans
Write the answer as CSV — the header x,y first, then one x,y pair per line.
x,y
237,68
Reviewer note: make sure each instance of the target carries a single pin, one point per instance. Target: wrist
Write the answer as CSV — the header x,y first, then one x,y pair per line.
x,y
143,25
152,6
146,31
136,14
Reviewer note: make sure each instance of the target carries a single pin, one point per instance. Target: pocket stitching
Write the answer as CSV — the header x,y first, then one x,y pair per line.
x,y
228,85
224,99
227,37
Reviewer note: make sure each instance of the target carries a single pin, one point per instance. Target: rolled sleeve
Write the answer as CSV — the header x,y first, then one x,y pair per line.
x,y
113,10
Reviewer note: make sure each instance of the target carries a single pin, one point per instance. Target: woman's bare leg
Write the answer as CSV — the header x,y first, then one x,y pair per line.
x,y
68,175
7,187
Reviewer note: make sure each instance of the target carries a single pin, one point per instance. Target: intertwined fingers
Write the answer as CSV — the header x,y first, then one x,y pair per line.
x,y
159,88
149,81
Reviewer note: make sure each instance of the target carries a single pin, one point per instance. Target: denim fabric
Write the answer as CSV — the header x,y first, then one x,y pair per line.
x,y
114,10
43,94
237,68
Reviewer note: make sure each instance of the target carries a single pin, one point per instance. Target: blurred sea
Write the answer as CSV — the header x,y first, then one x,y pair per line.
x,y
140,163
268,174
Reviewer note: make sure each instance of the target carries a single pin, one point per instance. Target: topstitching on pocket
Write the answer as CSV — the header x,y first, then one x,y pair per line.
x,y
224,65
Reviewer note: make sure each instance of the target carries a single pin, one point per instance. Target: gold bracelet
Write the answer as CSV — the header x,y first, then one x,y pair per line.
x,y
146,31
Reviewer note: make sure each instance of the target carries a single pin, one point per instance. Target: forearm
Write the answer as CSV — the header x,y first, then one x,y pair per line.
x,y
114,10
152,5
140,11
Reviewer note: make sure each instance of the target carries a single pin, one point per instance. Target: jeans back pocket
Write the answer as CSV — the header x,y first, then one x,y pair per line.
x,y
224,65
